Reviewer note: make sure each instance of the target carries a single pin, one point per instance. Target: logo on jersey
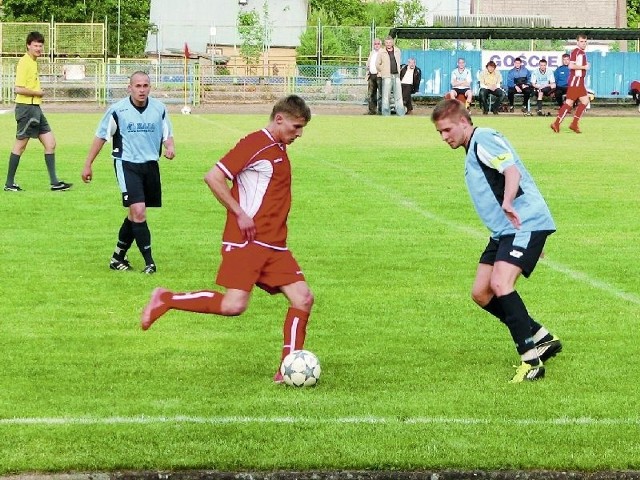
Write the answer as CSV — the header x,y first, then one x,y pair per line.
x,y
516,253
141,127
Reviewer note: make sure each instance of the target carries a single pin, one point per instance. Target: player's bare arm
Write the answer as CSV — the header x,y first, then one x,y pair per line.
x,y
27,92
217,182
511,184
94,150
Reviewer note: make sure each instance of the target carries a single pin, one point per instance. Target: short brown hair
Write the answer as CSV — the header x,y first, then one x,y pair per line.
x,y
450,109
292,105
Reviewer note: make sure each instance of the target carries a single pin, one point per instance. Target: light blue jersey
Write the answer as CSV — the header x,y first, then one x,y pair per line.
x,y
541,80
488,155
137,132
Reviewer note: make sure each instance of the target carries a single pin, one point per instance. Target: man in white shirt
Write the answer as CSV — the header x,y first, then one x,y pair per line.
x,y
461,82
373,82
543,82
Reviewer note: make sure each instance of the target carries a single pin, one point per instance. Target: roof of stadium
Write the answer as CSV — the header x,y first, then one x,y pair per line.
x,y
479,33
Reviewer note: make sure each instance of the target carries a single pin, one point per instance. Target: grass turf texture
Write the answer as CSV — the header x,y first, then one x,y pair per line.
x,y
414,375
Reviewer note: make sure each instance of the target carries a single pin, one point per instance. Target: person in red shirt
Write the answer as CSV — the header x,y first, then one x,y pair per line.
x,y
634,91
254,240
576,90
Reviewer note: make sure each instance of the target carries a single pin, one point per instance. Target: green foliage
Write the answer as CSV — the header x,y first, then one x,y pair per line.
x,y
346,12
134,18
410,13
633,13
252,31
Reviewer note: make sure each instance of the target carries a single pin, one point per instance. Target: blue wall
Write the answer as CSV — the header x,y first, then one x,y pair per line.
x,y
610,72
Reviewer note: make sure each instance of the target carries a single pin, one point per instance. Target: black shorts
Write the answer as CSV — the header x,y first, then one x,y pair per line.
x,y
461,91
31,122
522,250
139,182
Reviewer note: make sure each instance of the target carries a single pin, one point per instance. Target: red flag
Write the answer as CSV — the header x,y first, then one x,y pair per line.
x,y
186,51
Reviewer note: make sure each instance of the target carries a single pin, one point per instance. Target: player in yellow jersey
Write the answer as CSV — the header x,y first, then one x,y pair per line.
x,y
31,122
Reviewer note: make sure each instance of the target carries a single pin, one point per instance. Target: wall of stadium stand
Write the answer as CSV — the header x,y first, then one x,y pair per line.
x,y
195,82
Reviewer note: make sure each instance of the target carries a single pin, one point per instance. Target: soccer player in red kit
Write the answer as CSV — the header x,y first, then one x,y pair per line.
x,y
254,241
576,90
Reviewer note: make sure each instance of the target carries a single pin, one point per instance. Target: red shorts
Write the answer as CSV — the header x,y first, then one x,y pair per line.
x,y
574,93
253,264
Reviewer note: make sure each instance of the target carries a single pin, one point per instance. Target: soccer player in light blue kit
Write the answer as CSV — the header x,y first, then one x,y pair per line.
x,y
138,126
511,206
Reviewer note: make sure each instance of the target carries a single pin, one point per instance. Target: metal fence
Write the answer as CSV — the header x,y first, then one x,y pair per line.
x,y
178,82
85,40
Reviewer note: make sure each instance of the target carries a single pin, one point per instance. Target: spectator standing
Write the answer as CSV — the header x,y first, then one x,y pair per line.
x,y
373,81
461,80
519,81
410,76
578,66
388,66
491,85
561,78
543,83
30,121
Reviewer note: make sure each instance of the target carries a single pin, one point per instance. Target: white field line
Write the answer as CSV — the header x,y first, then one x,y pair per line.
x,y
231,420
476,233
574,275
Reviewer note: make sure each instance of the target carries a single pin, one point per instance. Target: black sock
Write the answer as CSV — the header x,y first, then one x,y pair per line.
x,y
125,240
143,239
517,321
14,160
50,161
494,307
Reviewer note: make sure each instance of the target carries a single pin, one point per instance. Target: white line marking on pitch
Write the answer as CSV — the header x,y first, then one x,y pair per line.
x,y
475,233
148,420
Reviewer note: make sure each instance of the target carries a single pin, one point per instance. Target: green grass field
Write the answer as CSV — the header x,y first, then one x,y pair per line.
x,y
414,375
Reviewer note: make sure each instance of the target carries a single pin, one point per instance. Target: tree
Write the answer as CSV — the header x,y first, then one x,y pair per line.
x,y
135,15
253,34
410,13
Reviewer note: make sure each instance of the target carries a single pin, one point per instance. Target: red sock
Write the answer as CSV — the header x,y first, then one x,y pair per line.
x,y
294,331
203,301
579,111
562,112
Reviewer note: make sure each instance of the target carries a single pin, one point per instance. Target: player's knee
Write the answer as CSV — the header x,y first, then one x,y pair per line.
x,y
480,297
304,301
499,287
233,308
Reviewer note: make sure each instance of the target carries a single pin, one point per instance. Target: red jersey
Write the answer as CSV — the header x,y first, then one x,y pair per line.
x,y
260,172
576,77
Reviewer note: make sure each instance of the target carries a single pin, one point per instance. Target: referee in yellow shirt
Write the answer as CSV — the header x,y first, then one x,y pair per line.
x,y
29,117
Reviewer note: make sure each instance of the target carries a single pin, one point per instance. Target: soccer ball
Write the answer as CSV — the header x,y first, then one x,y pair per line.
x,y
186,110
300,368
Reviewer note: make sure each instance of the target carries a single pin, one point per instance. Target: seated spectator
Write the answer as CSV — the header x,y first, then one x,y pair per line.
x,y
519,81
410,76
491,84
543,83
561,77
634,91
461,83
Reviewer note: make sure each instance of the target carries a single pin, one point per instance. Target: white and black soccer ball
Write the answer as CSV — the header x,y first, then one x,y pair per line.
x,y
186,110
300,368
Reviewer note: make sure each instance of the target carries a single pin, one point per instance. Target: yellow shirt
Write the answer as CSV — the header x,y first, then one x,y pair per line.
x,y
27,77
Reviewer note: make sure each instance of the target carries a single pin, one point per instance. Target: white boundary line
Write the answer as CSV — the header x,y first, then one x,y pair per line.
x,y
236,420
475,233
